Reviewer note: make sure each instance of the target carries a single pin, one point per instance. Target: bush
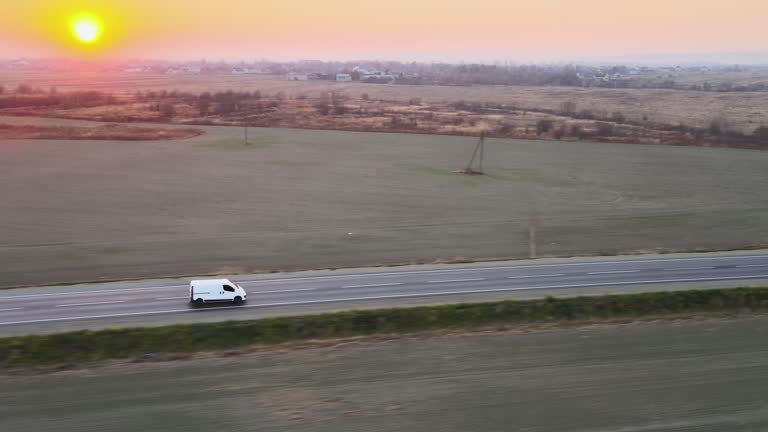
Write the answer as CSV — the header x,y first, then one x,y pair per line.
x,y
339,109
167,110
505,129
761,133
324,108
577,131
403,123
604,129
586,114
559,132
719,126
544,126
24,89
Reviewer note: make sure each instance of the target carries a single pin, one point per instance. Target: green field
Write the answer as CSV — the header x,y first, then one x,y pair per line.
x,y
296,199
704,376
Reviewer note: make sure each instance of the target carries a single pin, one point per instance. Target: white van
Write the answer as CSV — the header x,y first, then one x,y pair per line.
x,y
215,290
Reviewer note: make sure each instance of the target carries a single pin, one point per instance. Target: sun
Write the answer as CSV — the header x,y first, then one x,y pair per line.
x,y
86,29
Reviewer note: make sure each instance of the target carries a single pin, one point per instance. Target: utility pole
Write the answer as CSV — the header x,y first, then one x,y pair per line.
x,y
479,148
533,224
245,129
482,150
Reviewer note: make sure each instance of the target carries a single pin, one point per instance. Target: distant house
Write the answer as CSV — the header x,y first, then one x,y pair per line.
x,y
19,64
184,70
293,76
377,76
343,77
137,69
244,70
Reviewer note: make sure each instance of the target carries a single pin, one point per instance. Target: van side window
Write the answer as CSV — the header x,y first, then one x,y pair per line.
x,y
228,288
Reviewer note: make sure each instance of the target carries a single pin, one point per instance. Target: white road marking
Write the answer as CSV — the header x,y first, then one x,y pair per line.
x,y
89,292
90,304
536,276
752,265
10,309
172,298
613,272
456,280
373,285
283,291
381,297
688,268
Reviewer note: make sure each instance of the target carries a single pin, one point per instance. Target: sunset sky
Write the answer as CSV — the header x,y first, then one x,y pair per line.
x,y
479,30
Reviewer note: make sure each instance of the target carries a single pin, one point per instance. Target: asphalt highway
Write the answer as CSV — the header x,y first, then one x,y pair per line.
x,y
153,302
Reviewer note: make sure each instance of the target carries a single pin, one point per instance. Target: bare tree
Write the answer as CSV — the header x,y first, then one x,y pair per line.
x,y
167,110
568,107
203,106
618,117
604,129
559,132
719,125
24,89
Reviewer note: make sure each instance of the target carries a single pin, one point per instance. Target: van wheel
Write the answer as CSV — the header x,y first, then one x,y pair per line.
x,y
238,300
198,302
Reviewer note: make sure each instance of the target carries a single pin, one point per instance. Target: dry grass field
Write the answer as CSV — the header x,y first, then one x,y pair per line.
x,y
744,111
296,199
101,132
704,376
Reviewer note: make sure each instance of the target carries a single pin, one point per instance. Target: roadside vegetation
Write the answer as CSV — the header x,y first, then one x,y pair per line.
x,y
151,342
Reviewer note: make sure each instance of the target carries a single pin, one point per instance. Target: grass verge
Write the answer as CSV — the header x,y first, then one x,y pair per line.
x,y
86,346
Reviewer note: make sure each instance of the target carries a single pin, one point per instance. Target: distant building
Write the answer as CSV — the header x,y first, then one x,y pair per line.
x,y
293,76
184,70
137,69
244,70
343,77
19,64
377,76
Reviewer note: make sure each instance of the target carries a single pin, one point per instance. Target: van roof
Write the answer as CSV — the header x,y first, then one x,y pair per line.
x,y
210,282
